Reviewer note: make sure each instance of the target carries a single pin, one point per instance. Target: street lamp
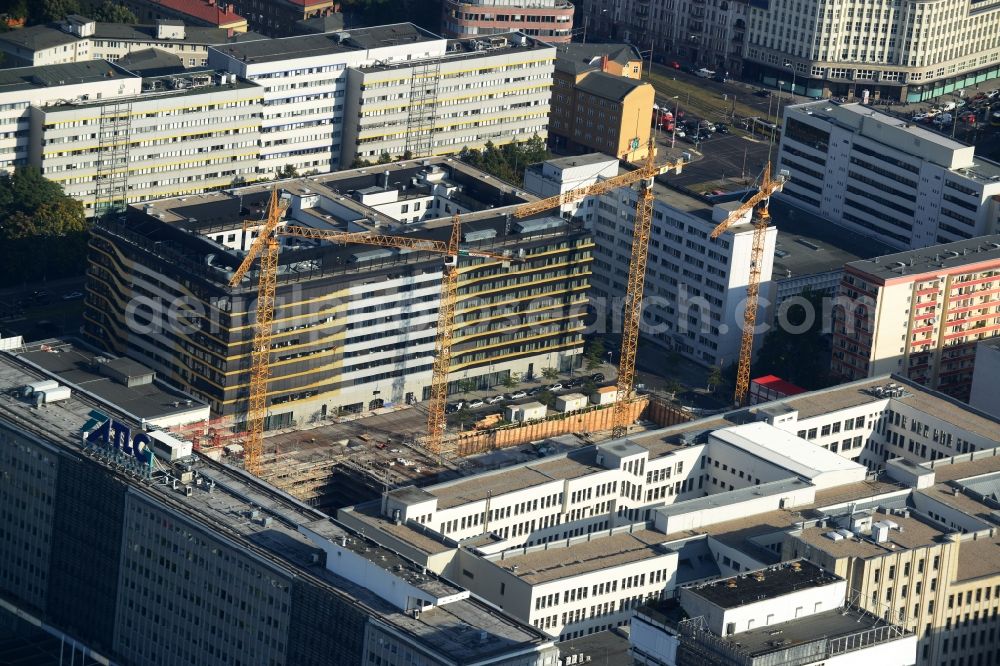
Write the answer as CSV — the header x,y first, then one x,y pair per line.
x,y
788,65
673,133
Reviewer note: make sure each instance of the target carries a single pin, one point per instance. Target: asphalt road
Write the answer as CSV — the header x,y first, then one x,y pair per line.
x,y
725,156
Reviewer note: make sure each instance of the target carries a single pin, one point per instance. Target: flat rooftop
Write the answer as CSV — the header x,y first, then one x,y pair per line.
x,y
784,449
807,244
453,628
937,259
602,647
730,497
197,82
468,48
826,626
75,365
310,46
48,76
916,532
771,583
598,553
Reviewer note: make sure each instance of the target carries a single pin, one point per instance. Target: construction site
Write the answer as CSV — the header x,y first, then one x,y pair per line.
x,y
328,320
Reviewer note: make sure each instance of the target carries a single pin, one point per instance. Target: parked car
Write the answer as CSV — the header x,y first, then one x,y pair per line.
x,y
719,78
517,395
72,296
679,133
762,92
555,387
673,64
722,128
534,391
475,404
704,135
455,406
494,400
597,377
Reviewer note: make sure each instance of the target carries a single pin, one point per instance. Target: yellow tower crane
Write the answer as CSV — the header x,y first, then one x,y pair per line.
x,y
637,265
768,186
266,247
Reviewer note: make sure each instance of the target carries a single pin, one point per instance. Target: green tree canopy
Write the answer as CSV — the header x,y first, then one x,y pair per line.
x,y
798,356
113,12
46,11
43,232
507,162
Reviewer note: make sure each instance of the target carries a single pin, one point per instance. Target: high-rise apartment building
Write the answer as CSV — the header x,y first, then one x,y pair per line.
x,y
354,326
919,313
161,562
550,21
333,98
907,51
695,285
880,176
181,134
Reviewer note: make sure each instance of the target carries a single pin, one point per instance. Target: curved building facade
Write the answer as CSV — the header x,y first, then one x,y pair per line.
x,y
549,20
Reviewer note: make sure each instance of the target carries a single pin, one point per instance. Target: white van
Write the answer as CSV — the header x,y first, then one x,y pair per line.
x,y
705,73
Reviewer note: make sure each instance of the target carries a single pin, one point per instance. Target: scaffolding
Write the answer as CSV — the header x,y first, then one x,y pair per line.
x,y
423,108
111,186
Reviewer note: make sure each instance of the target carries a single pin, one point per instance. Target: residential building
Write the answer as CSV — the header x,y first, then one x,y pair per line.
x,y
181,134
550,21
984,395
353,326
418,87
880,176
792,613
883,484
701,33
910,52
438,105
207,13
604,113
78,39
574,59
919,313
267,578
695,285
273,18
26,87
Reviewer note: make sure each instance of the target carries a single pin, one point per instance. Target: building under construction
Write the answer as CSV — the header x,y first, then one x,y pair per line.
x,y
354,326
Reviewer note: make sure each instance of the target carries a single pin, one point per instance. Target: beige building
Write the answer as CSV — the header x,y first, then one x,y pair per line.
x,y
181,134
909,51
920,313
492,90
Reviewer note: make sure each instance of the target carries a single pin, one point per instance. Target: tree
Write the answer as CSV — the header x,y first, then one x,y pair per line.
x,y
287,171
550,374
112,12
547,398
424,13
47,11
43,232
672,386
385,157
507,162
593,352
795,353
466,385
512,380
715,378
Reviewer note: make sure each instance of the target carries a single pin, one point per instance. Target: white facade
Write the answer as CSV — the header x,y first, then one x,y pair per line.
x,y
912,51
696,287
986,378
26,87
879,176
181,140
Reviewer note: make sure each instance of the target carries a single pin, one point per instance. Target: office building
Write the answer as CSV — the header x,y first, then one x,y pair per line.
x,y
880,176
550,21
908,52
395,90
23,88
78,39
354,326
181,134
700,33
919,313
207,13
792,613
163,561
984,395
769,388
881,483
599,102
274,18
695,286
